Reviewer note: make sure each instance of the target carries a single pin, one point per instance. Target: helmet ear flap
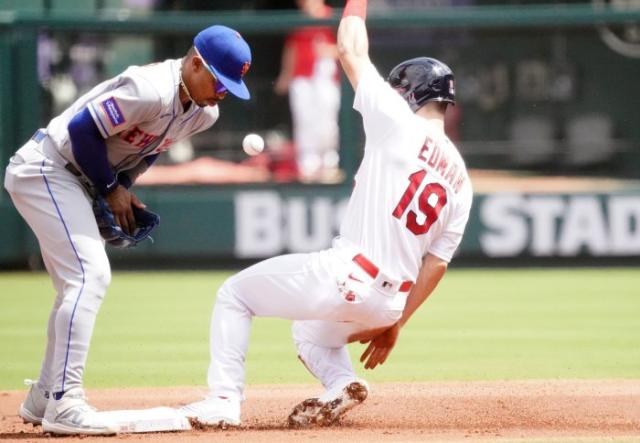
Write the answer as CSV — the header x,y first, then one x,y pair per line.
x,y
400,79
404,86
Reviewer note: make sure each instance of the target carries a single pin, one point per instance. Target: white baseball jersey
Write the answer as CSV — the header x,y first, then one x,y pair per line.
x,y
411,197
138,113
412,194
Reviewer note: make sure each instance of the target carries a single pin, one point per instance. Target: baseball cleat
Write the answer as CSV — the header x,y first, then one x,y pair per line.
x,y
72,415
305,413
327,410
33,407
216,412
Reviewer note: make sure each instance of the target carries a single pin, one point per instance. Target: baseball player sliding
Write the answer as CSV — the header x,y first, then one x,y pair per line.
x,y
405,218
98,147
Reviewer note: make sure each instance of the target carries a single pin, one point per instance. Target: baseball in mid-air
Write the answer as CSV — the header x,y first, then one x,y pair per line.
x,y
253,144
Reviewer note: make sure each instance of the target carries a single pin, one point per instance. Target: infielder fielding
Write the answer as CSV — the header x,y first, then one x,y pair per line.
x,y
405,218
96,149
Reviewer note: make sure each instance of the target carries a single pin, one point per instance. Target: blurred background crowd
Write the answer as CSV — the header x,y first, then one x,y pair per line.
x,y
547,101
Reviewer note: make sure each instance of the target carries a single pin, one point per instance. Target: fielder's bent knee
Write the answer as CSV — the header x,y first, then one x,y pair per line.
x,y
98,277
95,280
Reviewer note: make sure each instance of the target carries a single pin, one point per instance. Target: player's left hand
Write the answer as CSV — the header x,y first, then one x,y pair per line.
x,y
380,347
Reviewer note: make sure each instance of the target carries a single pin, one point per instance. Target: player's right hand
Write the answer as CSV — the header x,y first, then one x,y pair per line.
x,y
380,347
120,201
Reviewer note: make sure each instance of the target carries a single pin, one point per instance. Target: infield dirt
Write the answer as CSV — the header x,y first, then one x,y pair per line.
x,y
454,411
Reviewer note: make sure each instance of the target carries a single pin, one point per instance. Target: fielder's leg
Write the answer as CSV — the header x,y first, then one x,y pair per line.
x,y
45,380
56,208
33,408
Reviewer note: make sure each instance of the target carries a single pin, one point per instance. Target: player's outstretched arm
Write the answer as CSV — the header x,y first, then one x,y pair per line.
x,y
353,42
381,343
432,271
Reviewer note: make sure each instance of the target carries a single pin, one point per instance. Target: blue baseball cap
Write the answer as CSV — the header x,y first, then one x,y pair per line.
x,y
227,55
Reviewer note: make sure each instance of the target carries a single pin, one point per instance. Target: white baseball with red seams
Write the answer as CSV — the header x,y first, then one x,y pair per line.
x,y
253,144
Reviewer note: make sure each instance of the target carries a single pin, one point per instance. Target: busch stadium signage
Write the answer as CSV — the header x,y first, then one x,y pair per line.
x,y
268,223
501,225
562,226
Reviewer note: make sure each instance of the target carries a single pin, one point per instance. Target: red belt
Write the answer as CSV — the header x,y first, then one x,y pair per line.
x,y
373,271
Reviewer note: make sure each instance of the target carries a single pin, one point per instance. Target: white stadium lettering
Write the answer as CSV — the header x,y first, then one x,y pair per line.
x,y
268,224
566,226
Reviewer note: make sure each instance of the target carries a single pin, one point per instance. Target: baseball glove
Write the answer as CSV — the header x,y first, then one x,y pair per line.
x,y
146,221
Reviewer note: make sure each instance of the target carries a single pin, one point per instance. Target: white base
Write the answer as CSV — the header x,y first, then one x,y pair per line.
x,y
148,420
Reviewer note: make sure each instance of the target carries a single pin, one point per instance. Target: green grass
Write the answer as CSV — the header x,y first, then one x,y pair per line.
x,y
479,325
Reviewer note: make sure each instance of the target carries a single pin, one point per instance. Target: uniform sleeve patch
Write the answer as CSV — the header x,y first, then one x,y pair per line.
x,y
113,111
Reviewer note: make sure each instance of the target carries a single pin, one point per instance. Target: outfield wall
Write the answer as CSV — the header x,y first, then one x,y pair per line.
x,y
200,223
257,223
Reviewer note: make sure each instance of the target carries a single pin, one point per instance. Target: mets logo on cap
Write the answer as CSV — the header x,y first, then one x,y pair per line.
x,y
245,69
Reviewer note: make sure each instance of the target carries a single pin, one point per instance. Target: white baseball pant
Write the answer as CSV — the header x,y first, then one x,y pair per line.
x,y
315,104
329,296
58,210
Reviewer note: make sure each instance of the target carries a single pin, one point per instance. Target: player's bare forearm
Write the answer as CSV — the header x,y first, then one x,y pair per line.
x,y
353,44
432,271
382,341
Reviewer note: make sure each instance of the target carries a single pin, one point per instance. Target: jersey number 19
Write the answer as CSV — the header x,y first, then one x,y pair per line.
x,y
430,202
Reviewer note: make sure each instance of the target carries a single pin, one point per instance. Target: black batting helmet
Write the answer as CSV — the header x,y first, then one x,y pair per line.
x,y
422,80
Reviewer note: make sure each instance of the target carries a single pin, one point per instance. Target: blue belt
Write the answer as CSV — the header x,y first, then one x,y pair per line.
x,y
38,136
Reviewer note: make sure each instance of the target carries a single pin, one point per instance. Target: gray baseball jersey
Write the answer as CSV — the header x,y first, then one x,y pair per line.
x,y
138,113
